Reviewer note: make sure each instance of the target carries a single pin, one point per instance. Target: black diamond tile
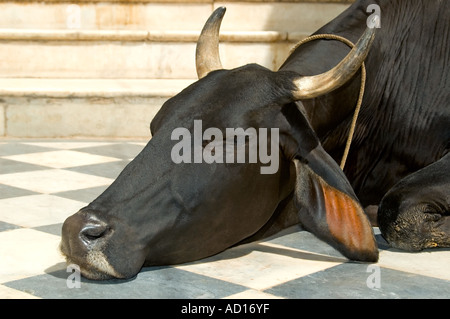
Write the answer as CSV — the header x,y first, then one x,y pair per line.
x,y
151,282
359,280
9,192
109,170
86,195
121,150
54,229
14,148
9,166
7,226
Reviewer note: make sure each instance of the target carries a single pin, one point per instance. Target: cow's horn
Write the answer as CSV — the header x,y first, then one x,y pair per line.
x,y
313,86
207,57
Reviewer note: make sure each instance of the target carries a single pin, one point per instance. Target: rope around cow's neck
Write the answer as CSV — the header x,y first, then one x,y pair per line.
x,y
361,91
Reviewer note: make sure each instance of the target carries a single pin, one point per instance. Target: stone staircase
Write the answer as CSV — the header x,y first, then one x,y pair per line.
x,y
104,68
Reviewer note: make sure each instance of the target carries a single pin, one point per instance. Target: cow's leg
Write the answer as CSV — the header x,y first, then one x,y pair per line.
x,y
372,212
415,213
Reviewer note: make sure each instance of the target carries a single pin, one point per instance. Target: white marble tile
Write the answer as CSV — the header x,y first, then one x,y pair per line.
x,y
68,145
252,294
262,265
61,158
26,252
433,262
37,210
139,143
53,180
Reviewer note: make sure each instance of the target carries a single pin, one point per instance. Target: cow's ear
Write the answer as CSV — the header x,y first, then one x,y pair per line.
x,y
328,207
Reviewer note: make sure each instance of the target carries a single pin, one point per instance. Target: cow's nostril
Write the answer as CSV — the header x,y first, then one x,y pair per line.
x,y
93,232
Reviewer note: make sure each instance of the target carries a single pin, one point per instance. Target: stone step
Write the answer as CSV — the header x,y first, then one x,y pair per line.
x,y
130,53
269,15
146,39
103,68
82,107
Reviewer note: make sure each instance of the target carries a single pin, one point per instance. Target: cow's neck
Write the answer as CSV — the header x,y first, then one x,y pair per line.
x,y
405,79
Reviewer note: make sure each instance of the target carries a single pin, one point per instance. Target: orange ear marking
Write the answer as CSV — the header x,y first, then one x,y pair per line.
x,y
346,220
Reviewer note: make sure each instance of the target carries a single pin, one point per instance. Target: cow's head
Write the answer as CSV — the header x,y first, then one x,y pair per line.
x,y
177,201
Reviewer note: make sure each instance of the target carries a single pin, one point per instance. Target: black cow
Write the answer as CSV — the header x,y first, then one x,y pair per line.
x,y
169,206
399,159
160,212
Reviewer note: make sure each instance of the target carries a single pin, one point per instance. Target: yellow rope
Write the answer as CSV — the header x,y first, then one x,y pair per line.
x,y
361,92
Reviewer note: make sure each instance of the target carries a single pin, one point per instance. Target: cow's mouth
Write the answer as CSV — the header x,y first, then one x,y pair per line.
x,y
94,267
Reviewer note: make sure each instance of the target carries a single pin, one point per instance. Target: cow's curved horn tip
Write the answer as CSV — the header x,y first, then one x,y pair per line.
x,y
220,11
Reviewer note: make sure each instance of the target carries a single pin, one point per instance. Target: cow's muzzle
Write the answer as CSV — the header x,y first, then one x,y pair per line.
x,y
84,237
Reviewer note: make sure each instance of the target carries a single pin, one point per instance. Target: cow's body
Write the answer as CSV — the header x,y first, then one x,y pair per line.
x,y
404,124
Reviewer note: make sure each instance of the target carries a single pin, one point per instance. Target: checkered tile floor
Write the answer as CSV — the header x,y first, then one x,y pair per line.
x,y
44,181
